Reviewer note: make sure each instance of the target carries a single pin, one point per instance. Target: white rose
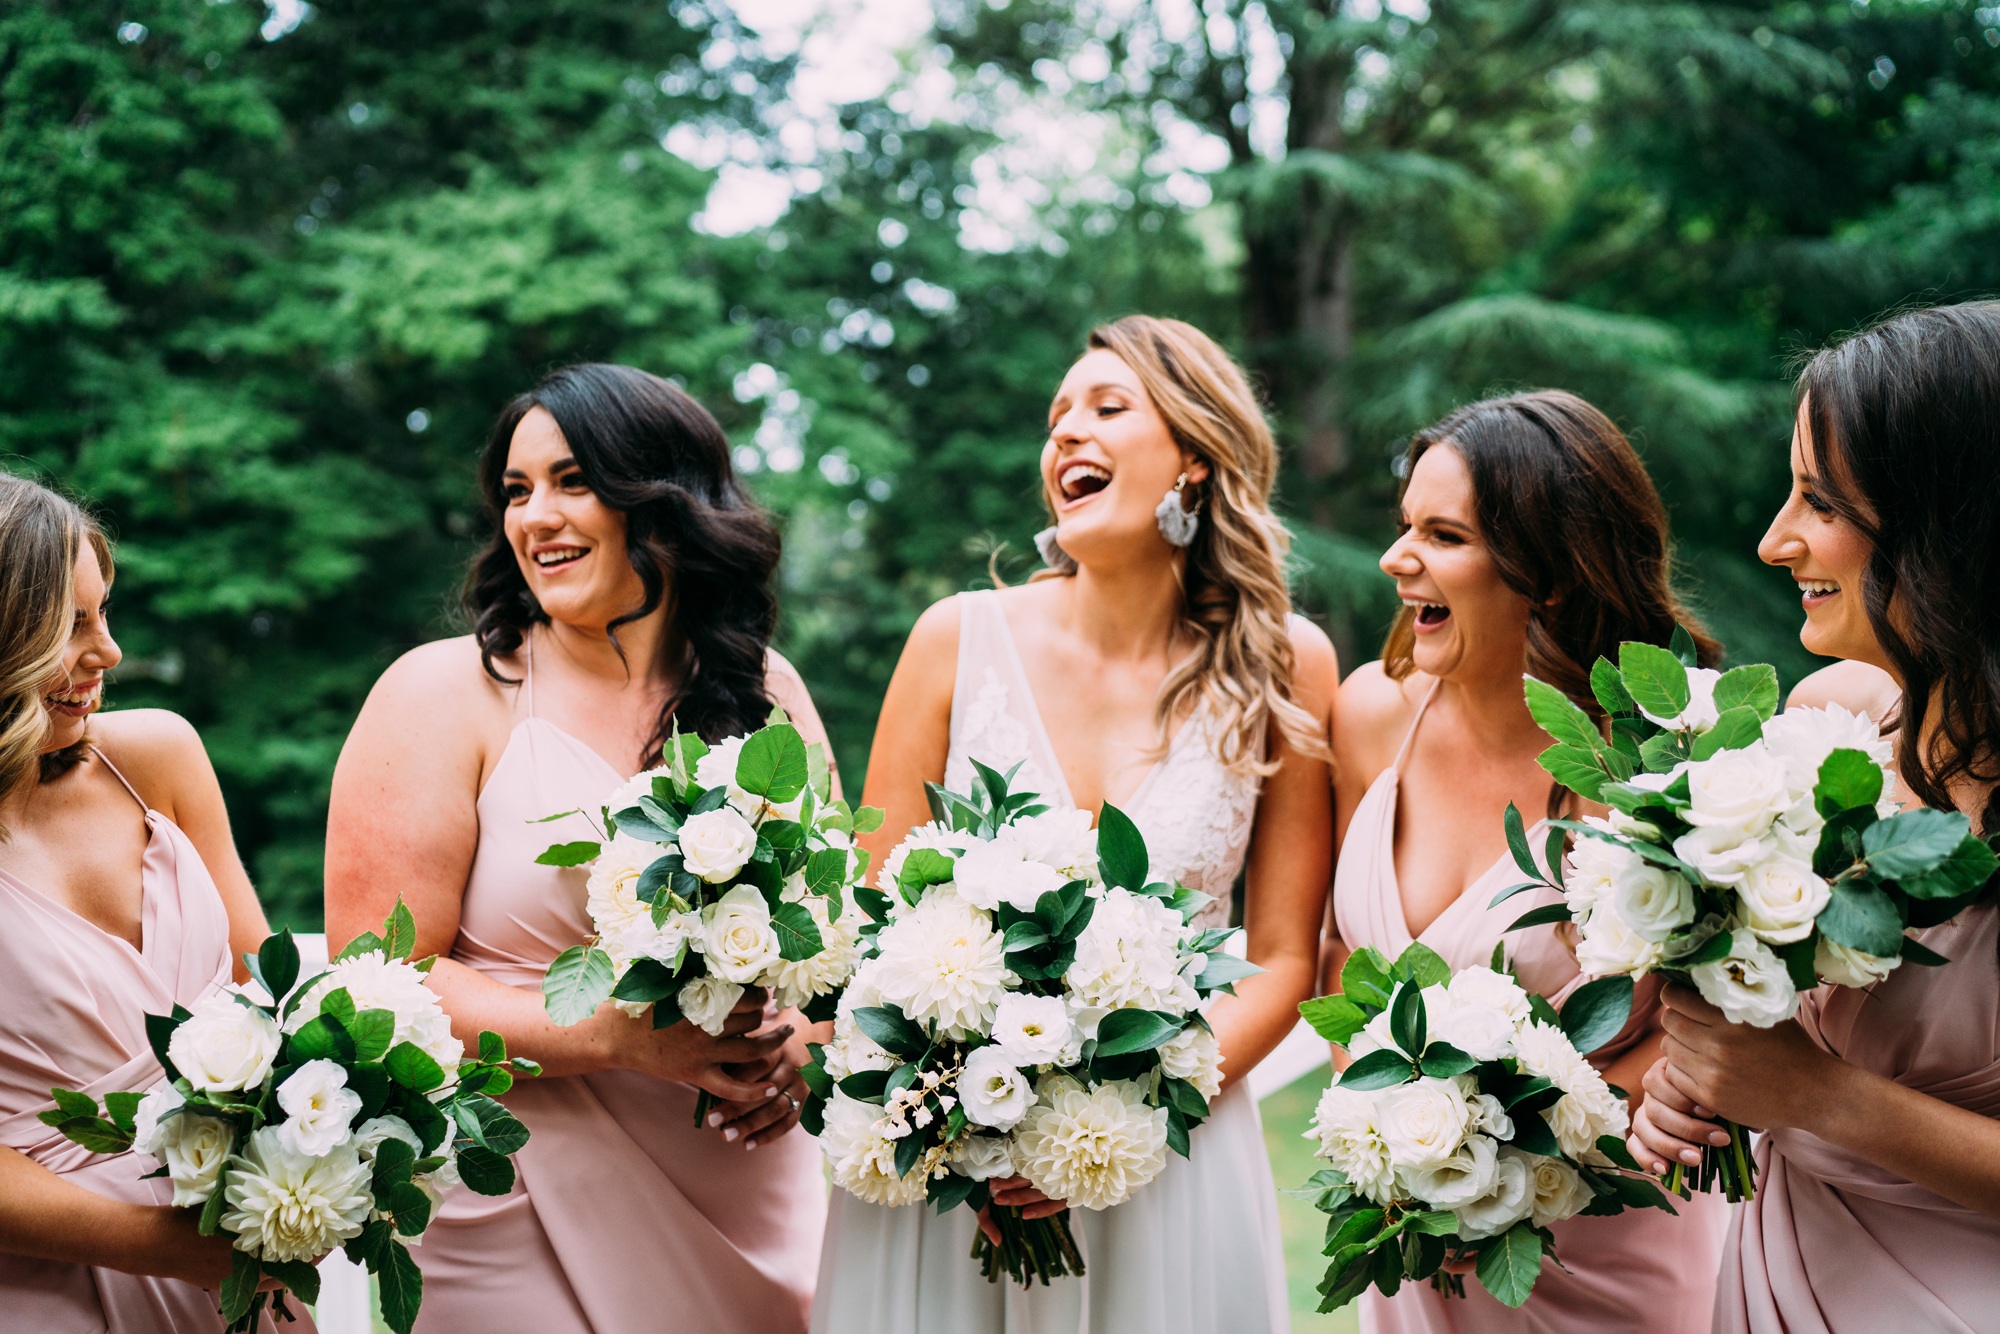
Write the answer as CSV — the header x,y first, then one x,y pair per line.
x,y
624,924
1722,856
737,936
1781,898
1486,989
1482,1030
1803,738
1036,1030
993,1090
150,1120
627,793
1606,947
990,874
716,844
1654,901
1738,791
1463,1177
318,1107
1844,967
376,1131
1749,985
1559,1191
1511,1199
194,1149
1591,869
982,1157
707,1000
1345,1124
1700,713
1193,1054
288,1206
1422,1122
224,1046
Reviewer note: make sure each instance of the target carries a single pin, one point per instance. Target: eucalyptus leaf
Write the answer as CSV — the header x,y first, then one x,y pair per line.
x,y
1509,1264
577,982
1559,716
1655,678
1862,917
1913,843
1596,1012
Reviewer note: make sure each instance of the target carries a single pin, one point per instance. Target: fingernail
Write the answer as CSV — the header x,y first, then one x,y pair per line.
x,y
1659,1169
771,1092
1692,1157
750,1147
714,1120
1718,1137
730,1134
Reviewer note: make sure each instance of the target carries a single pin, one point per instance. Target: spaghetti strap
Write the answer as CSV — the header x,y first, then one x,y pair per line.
x,y
528,675
1404,752
122,780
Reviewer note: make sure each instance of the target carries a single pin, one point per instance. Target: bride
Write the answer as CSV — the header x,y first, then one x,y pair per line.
x,y
1156,666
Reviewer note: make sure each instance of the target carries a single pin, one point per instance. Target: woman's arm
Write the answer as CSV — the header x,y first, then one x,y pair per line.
x,y
45,1217
403,823
1370,712
913,731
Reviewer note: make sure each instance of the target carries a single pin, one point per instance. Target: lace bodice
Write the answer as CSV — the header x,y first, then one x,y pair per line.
x,y
1195,814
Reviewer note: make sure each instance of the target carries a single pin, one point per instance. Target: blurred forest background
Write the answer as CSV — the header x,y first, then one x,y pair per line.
x,y
266,274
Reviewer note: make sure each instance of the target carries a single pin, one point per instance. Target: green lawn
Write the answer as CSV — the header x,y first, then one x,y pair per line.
x,y
1286,1115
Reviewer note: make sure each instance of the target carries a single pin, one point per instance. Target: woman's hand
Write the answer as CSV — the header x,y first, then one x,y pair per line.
x,y
170,1245
762,1120
1015,1193
688,1055
1669,1125
1757,1077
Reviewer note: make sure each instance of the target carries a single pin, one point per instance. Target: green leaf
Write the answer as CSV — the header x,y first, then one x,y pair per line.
x,y
826,870
1609,688
1970,865
922,868
1733,730
1438,1223
365,943
300,1279
1531,1132
122,1108
70,1103
1223,971
1442,1060
578,981
1407,1019
1661,753
798,935
1559,716
1335,1018
321,1037
413,1067
1913,952
1364,978
571,854
772,764
278,964
399,932
1121,850
1378,1070
1510,1263
1861,917
1912,843
892,1032
91,1132
1578,770
489,1124
1125,1031
647,981
240,1288
1596,1012
1655,678
1517,843
1545,916
1753,686
1612,1147
1177,1131
1847,779
1798,961
372,1031
867,819
400,1286
1423,965
1681,645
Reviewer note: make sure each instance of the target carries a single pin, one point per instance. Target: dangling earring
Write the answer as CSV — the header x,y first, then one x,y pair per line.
x,y
1178,524
1053,555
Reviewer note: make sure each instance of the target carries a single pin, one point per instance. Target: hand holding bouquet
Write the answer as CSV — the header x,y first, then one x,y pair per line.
x,y
1468,1122
1749,853
338,1114
1028,1004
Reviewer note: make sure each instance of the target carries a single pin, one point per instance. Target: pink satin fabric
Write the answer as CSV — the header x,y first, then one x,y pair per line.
x,y
625,1216
1833,1243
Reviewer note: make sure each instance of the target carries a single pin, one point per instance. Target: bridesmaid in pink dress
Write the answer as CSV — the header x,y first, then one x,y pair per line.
x,y
1878,1201
1532,541
108,912
627,587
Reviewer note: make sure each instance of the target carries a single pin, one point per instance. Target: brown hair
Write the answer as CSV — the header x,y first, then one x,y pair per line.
x,y
1575,527
40,536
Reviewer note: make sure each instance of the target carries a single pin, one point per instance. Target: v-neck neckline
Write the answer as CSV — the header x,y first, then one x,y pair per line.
x,y
154,831
1394,798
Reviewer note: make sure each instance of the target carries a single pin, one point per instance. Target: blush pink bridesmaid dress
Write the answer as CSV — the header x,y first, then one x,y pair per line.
x,y
625,1215
1643,1270
1836,1245
76,999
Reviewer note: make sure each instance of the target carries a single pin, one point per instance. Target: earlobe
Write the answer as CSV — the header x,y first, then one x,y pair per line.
x,y
1196,469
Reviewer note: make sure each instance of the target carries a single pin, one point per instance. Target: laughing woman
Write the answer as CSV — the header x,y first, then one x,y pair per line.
x,y
1533,541
1878,1201
626,589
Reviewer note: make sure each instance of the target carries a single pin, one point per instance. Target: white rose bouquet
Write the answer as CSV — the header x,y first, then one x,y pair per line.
x,y
726,868
335,1115
1028,1004
1468,1122
1749,853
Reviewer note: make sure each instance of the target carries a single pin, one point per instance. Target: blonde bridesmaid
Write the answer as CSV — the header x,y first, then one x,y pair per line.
x,y
626,589
1879,1195
1532,541
121,895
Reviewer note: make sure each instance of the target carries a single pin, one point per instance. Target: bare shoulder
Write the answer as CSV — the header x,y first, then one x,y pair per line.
x,y
1855,686
1315,664
158,751
1371,713
931,652
439,692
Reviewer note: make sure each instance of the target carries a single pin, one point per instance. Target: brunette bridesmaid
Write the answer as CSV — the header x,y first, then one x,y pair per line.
x,y
1533,542
120,895
627,588
1878,1201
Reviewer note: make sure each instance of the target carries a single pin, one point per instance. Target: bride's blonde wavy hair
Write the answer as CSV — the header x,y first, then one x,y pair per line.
x,y
40,536
1235,604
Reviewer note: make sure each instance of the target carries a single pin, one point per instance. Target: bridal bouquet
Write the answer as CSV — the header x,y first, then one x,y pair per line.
x,y
1468,1122
1028,1004
726,868
1749,853
337,1114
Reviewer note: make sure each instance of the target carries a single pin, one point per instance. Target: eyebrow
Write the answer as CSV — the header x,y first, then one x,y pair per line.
x,y
1097,388
566,461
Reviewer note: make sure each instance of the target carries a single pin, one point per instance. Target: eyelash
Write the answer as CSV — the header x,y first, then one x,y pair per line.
x,y
1815,504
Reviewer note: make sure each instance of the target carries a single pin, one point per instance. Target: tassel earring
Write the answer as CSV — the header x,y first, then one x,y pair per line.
x,y
1178,523
1053,555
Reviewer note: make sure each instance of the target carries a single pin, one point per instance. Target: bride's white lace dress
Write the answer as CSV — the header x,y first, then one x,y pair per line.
x,y
1195,1252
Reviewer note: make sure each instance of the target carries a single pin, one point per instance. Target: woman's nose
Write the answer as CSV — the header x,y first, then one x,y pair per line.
x,y
1399,560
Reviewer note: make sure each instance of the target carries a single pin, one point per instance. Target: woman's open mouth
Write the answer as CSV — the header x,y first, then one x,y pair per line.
x,y
75,701
1816,592
1430,615
1080,481
556,558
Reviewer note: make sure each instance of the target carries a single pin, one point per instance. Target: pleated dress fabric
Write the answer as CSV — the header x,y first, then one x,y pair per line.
x,y
76,999
1834,1244
1195,1251
625,1215
1641,1270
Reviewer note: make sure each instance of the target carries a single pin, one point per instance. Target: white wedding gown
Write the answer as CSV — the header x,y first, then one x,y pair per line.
x,y
1197,1251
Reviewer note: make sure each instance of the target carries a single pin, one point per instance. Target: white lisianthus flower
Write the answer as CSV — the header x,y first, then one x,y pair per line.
x,y
862,1158
707,1000
1654,901
1061,840
1700,713
1559,1191
224,1046
1193,1054
624,924
992,1089
795,983
1801,739
626,795
1844,967
737,937
1737,792
1466,1175
1488,1115
989,874
1488,990
1590,871
1129,955
716,844
1036,1030
982,1157
1091,1149
1606,946
1423,1122
1749,985
376,982
943,963
1345,1126
194,1148
1511,1198
287,1206
1588,1108
376,1131
318,1107
936,837
1467,1021
151,1119
1781,897
1722,856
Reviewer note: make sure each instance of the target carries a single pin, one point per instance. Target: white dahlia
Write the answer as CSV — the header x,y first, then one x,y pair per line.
x,y
1129,956
794,983
862,1158
1588,1108
1091,1149
943,963
289,1206
376,982
1349,1138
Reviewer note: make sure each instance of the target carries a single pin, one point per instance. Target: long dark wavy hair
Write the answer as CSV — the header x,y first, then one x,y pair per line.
x,y
1903,426
697,541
